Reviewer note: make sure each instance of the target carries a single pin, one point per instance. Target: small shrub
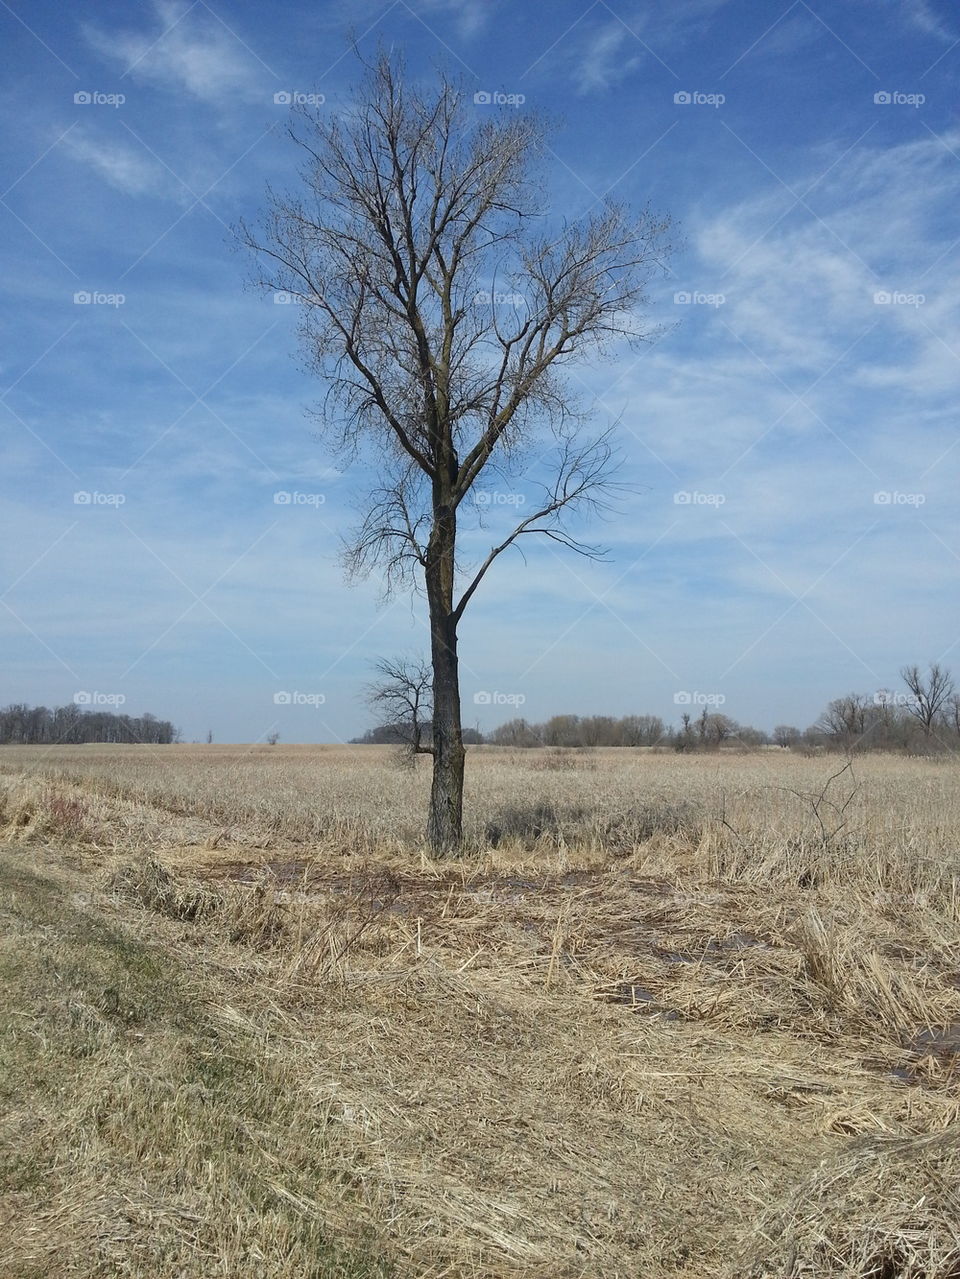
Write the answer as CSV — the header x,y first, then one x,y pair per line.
x,y
561,759
151,885
67,816
255,918
530,822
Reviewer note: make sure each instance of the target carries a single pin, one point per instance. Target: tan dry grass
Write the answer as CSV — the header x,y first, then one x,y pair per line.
x,y
652,1019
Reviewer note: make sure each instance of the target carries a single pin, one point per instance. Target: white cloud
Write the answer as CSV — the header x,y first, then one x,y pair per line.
x,y
800,290
189,50
123,167
607,58
924,19
471,15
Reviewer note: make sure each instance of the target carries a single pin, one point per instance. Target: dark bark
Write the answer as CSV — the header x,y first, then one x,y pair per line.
x,y
410,205
445,822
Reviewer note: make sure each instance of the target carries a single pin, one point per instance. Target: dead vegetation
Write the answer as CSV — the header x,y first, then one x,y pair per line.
x,y
675,1017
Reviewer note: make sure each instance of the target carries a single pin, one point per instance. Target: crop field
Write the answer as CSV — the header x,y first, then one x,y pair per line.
x,y
668,1015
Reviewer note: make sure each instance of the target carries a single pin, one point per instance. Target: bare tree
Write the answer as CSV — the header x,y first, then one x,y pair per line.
x,y
402,697
953,712
845,720
685,740
439,306
786,735
516,732
930,693
641,730
720,728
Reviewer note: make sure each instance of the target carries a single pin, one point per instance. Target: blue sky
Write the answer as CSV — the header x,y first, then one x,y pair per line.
x,y
793,437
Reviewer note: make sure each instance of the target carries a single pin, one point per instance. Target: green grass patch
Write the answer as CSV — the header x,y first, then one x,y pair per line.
x,y
137,1134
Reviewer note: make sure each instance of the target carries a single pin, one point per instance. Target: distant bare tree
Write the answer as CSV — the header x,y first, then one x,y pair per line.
x,y
416,221
562,730
685,739
713,728
720,728
641,730
516,732
786,735
846,719
930,693
403,699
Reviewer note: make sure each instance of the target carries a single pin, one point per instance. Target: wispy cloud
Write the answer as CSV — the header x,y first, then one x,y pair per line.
x,y
186,51
923,17
795,400
471,16
609,55
802,288
123,167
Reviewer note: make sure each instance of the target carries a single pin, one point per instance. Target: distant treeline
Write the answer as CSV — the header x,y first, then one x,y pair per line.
x,y
399,735
923,718
22,725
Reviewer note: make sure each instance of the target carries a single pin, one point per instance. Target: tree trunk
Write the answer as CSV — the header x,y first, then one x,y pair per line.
x,y
445,824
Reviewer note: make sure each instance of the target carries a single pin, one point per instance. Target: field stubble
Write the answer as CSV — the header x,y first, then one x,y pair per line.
x,y
668,1016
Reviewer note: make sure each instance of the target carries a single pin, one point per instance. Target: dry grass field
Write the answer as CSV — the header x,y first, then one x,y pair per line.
x,y
668,1016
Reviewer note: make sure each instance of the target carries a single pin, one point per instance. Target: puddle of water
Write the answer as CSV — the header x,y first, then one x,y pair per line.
x,y
903,1075
653,887
285,872
916,1074
716,949
486,896
738,941
247,872
897,950
937,1041
572,878
640,1000
633,996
